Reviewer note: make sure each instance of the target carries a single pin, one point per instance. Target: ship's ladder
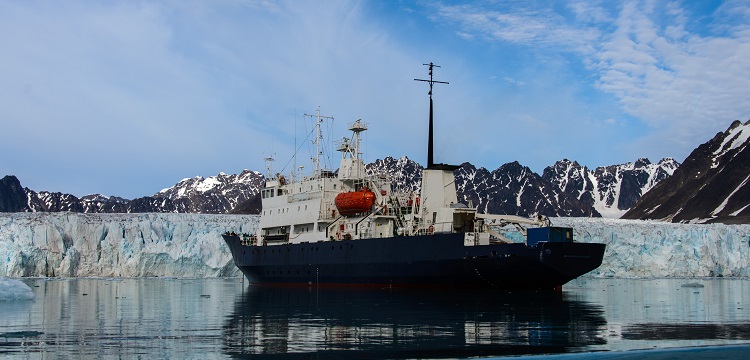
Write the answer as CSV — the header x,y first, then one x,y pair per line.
x,y
400,219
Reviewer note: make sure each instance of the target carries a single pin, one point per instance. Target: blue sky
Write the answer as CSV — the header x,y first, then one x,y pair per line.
x,y
128,97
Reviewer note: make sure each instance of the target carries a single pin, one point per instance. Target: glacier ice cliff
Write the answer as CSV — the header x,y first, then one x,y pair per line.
x,y
190,245
126,245
638,248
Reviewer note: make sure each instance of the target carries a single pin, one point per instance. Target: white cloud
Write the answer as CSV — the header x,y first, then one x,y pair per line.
x,y
589,11
686,85
686,82
108,94
514,82
518,25
124,92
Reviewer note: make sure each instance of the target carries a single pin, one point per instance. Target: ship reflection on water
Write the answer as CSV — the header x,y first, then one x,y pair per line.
x,y
367,324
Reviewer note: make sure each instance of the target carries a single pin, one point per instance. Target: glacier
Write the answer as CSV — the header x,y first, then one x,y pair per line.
x,y
650,248
190,245
118,245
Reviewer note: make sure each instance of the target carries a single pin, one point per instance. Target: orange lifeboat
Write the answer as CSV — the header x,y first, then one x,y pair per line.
x,y
353,202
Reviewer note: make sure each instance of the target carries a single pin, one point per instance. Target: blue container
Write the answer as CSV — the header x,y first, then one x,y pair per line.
x,y
549,234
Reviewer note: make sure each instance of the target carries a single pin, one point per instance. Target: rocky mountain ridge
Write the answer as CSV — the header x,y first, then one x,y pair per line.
x,y
218,194
712,185
564,189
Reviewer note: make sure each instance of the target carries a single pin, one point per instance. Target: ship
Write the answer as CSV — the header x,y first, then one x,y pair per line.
x,y
353,228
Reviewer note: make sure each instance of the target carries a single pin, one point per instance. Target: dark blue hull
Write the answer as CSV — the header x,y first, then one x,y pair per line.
x,y
439,260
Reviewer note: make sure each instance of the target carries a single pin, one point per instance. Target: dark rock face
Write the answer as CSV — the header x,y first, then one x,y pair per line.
x,y
609,190
515,190
12,195
54,201
405,174
712,184
565,189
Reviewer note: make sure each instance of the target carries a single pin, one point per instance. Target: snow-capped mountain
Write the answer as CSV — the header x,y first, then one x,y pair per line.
x,y
712,184
565,189
405,174
516,190
212,195
609,190
217,194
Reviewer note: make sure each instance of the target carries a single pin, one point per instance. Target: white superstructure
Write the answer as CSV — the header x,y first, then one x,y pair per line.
x,y
350,205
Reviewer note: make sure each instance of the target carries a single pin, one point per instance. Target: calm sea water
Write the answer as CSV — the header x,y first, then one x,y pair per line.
x,y
221,318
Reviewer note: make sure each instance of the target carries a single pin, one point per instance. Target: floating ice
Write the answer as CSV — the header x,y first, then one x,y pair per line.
x,y
693,285
12,289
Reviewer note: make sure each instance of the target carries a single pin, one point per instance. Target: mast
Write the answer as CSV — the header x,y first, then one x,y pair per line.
x,y
352,166
268,160
318,139
429,138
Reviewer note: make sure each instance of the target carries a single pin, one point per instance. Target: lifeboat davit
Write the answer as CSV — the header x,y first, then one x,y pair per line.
x,y
354,202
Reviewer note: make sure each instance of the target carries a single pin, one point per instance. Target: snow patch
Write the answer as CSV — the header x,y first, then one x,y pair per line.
x,y
736,138
740,210
726,200
208,184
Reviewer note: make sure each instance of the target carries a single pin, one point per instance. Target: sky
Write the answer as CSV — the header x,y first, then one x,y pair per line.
x,y
126,98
